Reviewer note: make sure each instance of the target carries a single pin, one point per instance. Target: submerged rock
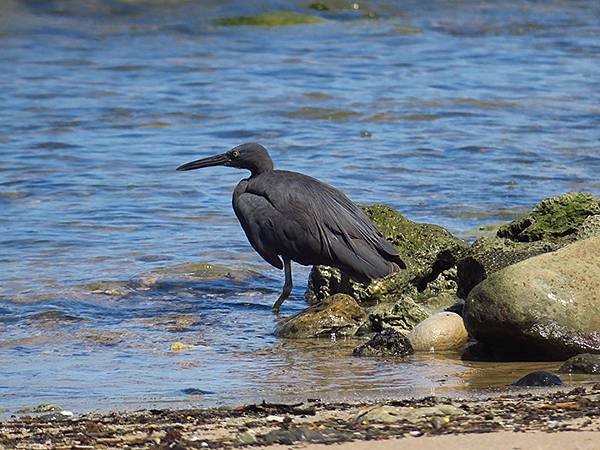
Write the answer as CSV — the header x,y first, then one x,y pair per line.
x,y
177,347
442,331
108,287
551,224
105,338
173,322
274,19
338,315
545,307
41,408
385,344
583,363
539,378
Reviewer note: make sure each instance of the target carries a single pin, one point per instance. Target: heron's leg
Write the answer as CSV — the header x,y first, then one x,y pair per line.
x,y
287,286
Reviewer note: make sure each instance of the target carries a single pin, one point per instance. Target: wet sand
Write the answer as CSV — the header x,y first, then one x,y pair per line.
x,y
533,419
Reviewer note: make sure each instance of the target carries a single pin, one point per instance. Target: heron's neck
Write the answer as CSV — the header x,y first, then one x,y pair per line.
x,y
260,166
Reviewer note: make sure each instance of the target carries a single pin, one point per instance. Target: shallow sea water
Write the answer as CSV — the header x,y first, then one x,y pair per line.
x,y
457,113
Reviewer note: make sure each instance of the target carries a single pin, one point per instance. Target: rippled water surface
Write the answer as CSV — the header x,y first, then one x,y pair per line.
x,y
458,113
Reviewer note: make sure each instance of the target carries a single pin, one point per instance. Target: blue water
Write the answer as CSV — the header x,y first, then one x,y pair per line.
x,y
458,113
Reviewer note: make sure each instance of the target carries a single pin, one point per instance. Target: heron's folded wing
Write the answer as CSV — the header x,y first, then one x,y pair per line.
x,y
256,215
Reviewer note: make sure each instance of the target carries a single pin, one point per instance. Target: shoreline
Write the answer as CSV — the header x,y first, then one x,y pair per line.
x,y
419,422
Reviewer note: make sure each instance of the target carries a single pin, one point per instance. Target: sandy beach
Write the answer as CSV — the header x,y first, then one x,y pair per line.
x,y
533,420
501,440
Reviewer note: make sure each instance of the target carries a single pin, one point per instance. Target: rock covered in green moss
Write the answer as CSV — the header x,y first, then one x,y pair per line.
x,y
273,19
344,9
402,315
545,307
339,315
551,224
553,219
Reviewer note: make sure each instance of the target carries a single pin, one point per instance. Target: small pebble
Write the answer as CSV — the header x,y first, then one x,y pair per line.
x,y
279,419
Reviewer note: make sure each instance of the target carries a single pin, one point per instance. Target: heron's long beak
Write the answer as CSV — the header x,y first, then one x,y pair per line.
x,y
217,160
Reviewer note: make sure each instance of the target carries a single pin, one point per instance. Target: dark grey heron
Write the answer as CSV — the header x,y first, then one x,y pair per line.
x,y
292,217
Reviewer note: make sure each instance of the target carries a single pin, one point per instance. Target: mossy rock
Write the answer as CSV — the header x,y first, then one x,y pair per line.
x,y
346,8
339,315
429,251
274,19
402,315
41,408
553,219
551,224
388,343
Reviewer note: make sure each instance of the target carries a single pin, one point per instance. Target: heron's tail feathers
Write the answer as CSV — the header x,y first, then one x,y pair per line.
x,y
363,263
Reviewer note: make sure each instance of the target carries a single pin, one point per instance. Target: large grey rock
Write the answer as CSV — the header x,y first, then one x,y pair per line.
x,y
546,307
550,225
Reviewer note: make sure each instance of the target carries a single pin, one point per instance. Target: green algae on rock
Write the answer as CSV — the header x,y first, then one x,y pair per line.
x,y
402,315
108,287
41,408
273,19
339,315
554,218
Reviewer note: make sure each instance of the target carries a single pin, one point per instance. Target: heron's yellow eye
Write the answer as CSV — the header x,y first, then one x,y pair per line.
x,y
235,153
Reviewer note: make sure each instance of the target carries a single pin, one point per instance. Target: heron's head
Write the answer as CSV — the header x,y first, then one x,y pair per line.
x,y
253,157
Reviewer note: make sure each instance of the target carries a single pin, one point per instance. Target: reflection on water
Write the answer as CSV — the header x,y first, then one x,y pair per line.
x,y
454,113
